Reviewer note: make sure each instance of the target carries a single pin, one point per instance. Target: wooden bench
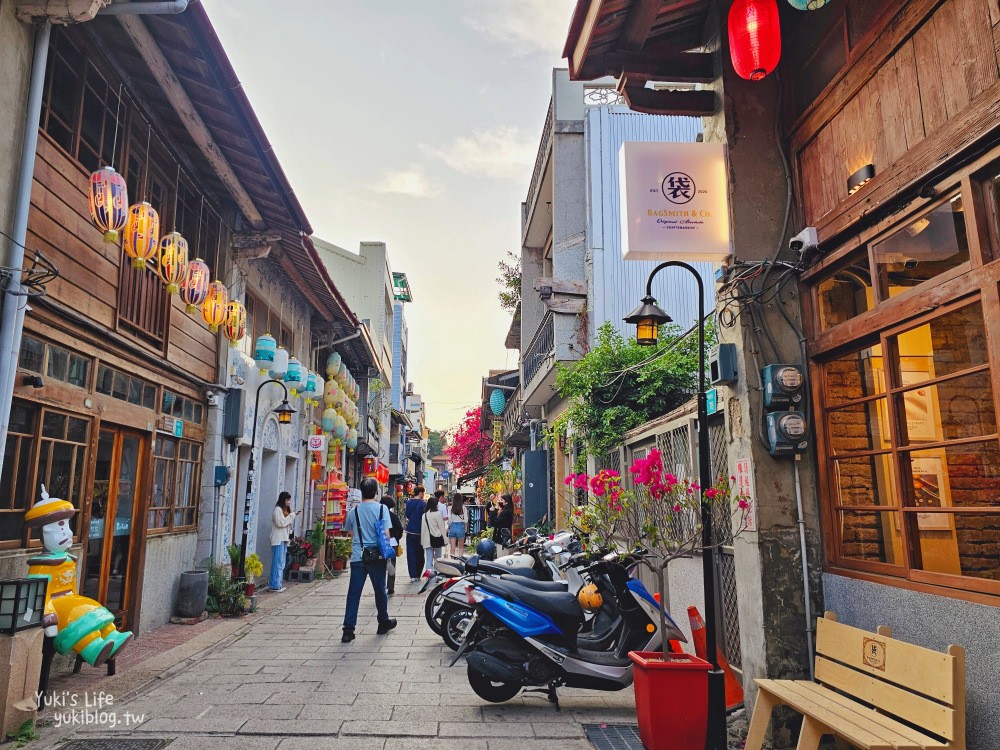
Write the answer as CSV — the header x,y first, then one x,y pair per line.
x,y
872,692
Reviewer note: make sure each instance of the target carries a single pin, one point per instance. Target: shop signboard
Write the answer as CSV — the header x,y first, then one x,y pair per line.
x,y
317,443
744,486
674,201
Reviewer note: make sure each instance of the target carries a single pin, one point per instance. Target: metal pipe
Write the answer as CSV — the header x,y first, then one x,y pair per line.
x,y
354,335
12,319
806,595
171,7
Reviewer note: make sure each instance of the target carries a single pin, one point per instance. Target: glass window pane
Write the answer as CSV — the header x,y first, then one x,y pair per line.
x,y
22,418
59,481
134,391
197,415
120,388
11,526
105,378
861,427
871,536
959,544
149,396
950,343
168,402
58,363
32,354
54,425
188,410
854,376
867,480
924,248
79,369
845,294
77,430
952,410
965,475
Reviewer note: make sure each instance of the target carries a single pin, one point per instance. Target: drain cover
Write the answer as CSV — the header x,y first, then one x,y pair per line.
x,y
121,743
610,736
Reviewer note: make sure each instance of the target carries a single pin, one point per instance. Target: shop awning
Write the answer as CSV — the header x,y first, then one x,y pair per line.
x,y
402,418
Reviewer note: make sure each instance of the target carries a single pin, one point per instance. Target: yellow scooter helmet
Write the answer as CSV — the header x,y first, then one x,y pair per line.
x,y
590,598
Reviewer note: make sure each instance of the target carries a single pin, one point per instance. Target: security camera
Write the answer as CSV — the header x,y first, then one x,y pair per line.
x,y
804,241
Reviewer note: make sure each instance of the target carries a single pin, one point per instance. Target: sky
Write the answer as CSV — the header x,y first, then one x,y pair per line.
x,y
416,124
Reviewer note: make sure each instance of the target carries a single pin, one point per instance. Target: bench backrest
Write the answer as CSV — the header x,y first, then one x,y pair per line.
x,y
918,685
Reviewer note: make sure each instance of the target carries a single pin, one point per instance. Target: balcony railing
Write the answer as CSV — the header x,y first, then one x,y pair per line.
x,y
512,413
536,175
539,350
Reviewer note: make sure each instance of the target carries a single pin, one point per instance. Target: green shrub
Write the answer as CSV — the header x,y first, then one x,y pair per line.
x,y
225,596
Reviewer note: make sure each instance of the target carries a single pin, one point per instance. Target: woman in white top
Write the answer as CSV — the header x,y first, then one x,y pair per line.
x,y
432,532
281,521
456,529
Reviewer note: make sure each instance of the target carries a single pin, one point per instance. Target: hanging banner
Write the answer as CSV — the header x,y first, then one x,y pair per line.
x,y
674,201
317,443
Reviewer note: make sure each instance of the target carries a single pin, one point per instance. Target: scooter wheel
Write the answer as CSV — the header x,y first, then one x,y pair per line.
x,y
434,599
490,690
453,631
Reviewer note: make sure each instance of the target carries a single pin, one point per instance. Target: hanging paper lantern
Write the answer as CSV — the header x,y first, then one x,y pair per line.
x,y
142,234
342,373
339,427
294,377
320,388
754,38
332,364
236,322
263,352
309,389
329,420
173,261
807,4
330,394
280,365
194,286
497,401
108,202
352,439
214,308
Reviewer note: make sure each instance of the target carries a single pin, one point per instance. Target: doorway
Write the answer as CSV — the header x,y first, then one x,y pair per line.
x,y
112,536
266,499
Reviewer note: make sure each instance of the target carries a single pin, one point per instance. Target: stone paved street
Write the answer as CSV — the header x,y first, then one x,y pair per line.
x,y
285,681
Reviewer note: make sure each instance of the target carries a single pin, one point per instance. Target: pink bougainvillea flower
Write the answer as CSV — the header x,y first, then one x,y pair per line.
x,y
711,493
743,504
568,480
580,481
677,507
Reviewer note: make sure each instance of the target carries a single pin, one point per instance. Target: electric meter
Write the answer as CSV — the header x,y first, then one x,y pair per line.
x,y
786,433
782,386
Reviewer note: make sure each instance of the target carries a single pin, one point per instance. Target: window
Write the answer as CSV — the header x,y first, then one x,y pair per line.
x,y
846,293
180,407
54,362
176,484
44,446
124,387
263,319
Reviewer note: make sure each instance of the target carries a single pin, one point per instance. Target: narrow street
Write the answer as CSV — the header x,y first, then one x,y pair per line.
x,y
285,681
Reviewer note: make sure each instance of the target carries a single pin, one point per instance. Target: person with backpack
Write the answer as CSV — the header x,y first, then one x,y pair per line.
x,y
365,523
432,535
397,535
414,513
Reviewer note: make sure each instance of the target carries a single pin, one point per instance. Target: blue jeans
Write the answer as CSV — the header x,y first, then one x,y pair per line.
x,y
359,573
278,552
414,555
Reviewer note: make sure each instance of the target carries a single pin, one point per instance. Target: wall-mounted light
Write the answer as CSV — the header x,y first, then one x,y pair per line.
x,y
35,381
545,292
860,178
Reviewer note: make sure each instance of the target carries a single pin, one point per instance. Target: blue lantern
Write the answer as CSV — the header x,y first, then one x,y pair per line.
x,y
352,439
311,387
294,377
339,427
329,420
497,401
332,364
263,352
807,4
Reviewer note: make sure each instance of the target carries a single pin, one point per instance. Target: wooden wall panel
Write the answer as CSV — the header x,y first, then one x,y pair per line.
x,y
929,80
191,345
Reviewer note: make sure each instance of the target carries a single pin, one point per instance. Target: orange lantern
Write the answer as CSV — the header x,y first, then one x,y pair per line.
x,y
194,287
142,234
108,202
172,263
236,322
214,309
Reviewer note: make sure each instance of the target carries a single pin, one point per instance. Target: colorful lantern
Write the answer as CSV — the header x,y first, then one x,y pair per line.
x,y
236,322
194,287
294,377
754,38
332,364
263,352
339,427
497,401
108,202
330,394
280,365
807,4
142,234
342,373
173,259
214,308
352,439
329,420
309,390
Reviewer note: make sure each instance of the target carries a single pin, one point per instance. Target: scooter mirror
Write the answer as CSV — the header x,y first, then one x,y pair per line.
x,y
556,549
531,531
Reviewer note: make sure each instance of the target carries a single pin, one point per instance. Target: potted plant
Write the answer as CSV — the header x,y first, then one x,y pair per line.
x,y
234,559
341,551
254,567
661,514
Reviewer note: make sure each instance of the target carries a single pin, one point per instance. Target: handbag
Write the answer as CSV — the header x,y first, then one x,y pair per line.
x,y
369,555
382,534
437,542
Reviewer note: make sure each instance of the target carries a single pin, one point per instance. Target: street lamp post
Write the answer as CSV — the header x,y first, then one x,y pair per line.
x,y
284,411
648,318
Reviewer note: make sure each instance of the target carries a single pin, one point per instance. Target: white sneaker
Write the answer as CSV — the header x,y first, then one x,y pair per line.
x,y
277,591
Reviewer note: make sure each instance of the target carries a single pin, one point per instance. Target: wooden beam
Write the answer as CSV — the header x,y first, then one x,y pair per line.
x,y
295,275
668,102
675,67
59,11
579,55
641,17
562,286
178,98
571,305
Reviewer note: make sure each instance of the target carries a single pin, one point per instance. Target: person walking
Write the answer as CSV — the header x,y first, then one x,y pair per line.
x,y
282,519
432,531
414,513
503,520
396,532
361,523
442,506
456,528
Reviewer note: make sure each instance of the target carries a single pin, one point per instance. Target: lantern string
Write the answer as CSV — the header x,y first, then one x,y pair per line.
x,y
145,182
177,193
118,107
197,242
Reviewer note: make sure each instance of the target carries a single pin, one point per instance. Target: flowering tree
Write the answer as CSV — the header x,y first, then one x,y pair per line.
x,y
662,514
470,448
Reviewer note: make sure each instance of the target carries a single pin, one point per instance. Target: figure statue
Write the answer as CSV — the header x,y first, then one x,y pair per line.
x,y
76,623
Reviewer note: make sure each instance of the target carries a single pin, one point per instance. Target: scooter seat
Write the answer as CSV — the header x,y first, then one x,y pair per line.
x,y
561,606
492,569
536,585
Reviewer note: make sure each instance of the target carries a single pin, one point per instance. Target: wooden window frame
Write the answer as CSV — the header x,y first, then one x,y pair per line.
x,y
173,469
48,346
282,330
976,281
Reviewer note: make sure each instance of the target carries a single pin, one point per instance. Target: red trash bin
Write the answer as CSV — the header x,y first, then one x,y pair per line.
x,y
671,700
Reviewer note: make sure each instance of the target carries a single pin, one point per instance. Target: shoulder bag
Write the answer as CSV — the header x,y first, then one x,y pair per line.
x,y
369,555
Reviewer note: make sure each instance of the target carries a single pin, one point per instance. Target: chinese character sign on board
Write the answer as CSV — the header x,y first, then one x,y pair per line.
x,y
674,201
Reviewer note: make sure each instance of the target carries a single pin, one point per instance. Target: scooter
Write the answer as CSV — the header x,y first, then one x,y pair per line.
x,y
531,637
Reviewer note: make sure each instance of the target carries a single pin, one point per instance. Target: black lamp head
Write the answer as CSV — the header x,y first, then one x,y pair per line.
x,y
284,411
647,319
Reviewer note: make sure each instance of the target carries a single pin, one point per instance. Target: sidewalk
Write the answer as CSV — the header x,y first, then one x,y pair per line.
x,y
285,681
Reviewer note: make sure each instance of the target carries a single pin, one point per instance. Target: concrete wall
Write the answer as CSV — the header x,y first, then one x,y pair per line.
x,y
934,622
167,556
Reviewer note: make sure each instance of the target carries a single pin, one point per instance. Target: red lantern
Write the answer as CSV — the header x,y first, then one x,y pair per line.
x,y
754,37
108,202
235,326
370,466
173,262
194,286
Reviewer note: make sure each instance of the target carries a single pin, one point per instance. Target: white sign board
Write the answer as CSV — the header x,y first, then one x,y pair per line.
x,y
744,486
674,201
317,443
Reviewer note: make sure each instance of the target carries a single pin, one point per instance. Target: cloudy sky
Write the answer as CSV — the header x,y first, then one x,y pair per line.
x,y
417,124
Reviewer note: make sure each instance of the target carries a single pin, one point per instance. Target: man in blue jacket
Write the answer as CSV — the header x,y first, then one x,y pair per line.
x,y
414,513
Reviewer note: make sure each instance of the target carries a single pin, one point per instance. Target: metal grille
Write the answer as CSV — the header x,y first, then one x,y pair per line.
x,y
730,611
722,525
612,460
613,736
539,349
675,449
552,487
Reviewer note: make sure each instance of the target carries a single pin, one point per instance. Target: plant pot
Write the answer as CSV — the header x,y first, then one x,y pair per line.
x,y
671,700
192,594
295,566
250,589
337,565
309,564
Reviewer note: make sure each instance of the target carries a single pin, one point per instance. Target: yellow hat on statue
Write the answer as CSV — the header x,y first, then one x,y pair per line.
x,y
48,510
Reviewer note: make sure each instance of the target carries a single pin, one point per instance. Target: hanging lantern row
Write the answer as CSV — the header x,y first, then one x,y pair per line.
x,y
754,38
235,327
